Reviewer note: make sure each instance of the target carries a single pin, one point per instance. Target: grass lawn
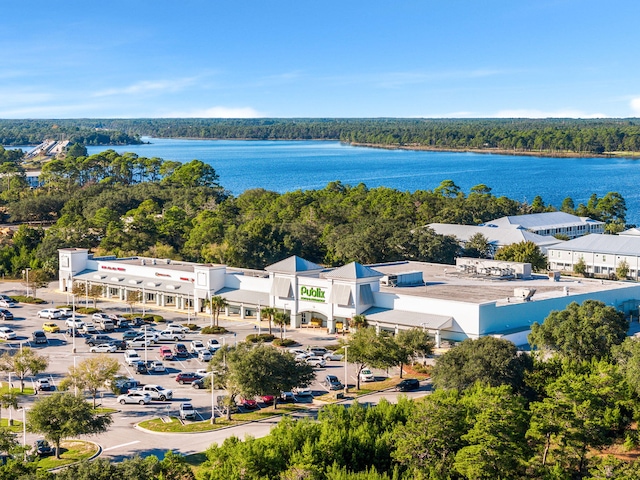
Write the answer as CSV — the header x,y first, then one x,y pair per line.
x,y
71,451
5,388
175,426
102,410
16,427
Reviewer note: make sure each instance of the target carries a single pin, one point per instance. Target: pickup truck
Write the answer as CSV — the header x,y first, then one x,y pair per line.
x,y
169,336
157,392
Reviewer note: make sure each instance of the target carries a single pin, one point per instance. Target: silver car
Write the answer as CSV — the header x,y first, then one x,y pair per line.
x,y
135,397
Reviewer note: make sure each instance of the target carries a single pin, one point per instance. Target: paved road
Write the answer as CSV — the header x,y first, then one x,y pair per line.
x,y
122,440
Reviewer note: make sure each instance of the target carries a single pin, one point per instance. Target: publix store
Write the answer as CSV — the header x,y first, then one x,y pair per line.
x,y
393,296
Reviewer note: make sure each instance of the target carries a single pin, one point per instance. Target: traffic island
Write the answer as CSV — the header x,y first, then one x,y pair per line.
x,y
71,451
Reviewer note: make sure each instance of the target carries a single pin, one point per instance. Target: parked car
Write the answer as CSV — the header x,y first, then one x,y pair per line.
x,y
66,312
138,342
50,313
204,356
43,384
248,403
129,335
50,327
338,357
142,367
213,345
187,377
187,411
303,393
180,350
137,322
131,357
157,392
122,323
408,384
156,366
287,397
106,325
299,353
42,448
97,317
70,323
166,353
268,399
8,303
103,348
366,375
5,314
319,351
135,396
176,327
98,339
39,336
195,346
123,385
6,333
119,344
332,382
314,361
169,336
88,328
198,384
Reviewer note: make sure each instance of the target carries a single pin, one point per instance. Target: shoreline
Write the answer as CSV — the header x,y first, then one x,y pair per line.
x,y
499,151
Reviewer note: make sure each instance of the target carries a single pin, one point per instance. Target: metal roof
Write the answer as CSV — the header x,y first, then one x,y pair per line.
x,y
402,318
544,220
353,271
600,243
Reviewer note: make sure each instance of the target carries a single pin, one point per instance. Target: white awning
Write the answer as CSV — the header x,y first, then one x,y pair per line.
x,y
281,287
341,295
366,295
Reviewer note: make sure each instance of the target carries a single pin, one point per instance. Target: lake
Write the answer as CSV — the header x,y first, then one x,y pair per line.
x,y
284,166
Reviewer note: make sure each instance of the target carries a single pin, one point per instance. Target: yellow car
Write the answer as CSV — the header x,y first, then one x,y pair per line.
x,y
50,327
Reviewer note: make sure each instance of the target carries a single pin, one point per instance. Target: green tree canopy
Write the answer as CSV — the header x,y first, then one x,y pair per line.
x,y
488,360
580,332
62,415
524,252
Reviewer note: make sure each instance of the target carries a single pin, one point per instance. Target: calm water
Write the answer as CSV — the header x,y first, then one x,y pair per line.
x,y
285,166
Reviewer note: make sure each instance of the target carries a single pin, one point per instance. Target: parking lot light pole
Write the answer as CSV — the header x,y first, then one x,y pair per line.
x,y
24,431
73,326
213,397
346,372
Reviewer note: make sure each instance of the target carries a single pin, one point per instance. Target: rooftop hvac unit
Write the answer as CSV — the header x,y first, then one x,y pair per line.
x,y
524,293
389,280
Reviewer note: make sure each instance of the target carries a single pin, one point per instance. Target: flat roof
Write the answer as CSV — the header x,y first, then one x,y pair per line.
x,y
445,282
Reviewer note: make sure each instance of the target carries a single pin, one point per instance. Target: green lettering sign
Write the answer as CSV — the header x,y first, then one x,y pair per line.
x,y
312,294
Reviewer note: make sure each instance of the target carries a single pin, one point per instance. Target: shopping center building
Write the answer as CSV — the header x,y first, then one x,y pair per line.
x,y
473,299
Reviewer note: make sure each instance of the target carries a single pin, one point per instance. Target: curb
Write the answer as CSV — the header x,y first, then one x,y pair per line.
x,y
92,457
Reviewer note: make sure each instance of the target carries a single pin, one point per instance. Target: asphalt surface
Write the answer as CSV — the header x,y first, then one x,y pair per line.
x,y
123,439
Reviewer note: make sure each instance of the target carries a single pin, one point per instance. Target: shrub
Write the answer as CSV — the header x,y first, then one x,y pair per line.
x,y
263,337
87,310
286,342
213,330
190,326
419,368
29,299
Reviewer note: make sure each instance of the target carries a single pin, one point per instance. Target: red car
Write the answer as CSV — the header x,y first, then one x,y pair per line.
x,y
268,399
248,403
188,377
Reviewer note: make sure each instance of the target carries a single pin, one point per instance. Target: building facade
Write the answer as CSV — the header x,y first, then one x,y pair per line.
x,y
449,302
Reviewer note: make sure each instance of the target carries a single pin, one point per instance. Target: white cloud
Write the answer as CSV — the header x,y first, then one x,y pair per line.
x,y
148,86
635,105
532,113
218,112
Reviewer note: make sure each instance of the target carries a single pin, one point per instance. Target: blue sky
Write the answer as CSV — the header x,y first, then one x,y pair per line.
x,y
347,58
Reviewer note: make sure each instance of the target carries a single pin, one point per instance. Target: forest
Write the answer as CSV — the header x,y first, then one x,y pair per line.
x,y
123,204
544,136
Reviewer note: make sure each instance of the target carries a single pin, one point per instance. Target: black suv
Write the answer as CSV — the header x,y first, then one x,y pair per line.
x,y
408,384
98,340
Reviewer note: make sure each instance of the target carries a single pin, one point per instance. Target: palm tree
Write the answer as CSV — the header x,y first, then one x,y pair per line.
x,y
359,321
281,319
268,313
218,303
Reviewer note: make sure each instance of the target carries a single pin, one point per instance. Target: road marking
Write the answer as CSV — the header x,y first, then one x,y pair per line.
x,y
122,445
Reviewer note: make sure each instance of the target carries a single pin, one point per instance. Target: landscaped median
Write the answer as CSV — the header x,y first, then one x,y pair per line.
x,y
71,451
369,387
174,425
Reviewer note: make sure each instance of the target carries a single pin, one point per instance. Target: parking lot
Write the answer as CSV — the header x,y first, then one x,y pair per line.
x,y
63,349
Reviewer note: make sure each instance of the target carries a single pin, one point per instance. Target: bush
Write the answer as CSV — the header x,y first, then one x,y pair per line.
x,y
419,368
263,337
287,342
87,310
213,330
29,299
190,326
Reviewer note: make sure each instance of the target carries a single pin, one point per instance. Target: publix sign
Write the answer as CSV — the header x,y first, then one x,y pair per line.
x,y
312,294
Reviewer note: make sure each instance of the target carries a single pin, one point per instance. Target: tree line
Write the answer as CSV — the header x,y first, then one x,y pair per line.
x,y
570,136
